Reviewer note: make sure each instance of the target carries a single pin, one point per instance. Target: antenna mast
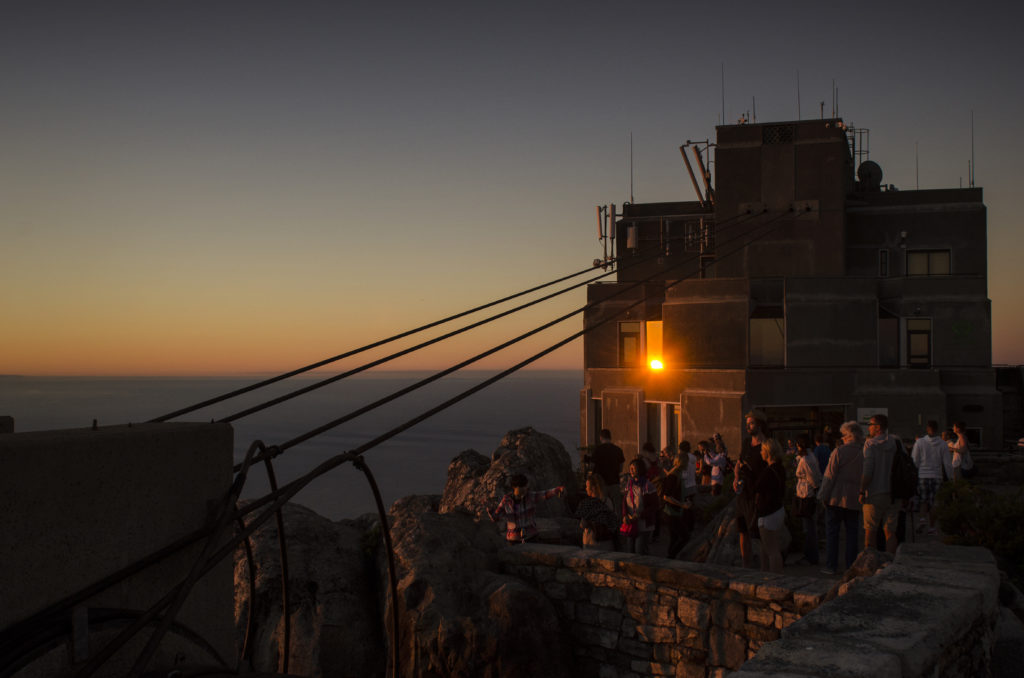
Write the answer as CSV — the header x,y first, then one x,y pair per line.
x,y
723,92
798,95
631,166
971,174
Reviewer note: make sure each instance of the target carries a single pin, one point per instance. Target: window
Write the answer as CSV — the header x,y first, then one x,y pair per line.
x,y
928,262
883,263
919,342
655,353
654,424
767,338
630,354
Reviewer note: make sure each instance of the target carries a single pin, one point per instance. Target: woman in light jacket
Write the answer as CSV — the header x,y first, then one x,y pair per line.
x,y
839,488
808,480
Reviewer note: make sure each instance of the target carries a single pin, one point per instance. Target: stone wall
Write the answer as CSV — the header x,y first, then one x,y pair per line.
x,y
931,613
631,616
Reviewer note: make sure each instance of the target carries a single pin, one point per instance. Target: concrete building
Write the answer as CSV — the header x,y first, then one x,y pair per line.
x,y
797,285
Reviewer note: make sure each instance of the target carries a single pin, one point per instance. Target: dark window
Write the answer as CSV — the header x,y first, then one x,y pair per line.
x,y
928,262
629,344
654,424
767,337
883,263
919,342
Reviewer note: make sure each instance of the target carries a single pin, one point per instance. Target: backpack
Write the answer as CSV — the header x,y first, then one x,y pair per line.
x,y
903,482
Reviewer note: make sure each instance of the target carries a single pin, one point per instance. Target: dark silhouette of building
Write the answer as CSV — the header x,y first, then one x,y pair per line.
x,y
795,285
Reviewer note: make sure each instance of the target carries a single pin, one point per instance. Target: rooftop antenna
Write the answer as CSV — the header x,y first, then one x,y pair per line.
x,y
917,168
971,174
753,101
631,166
833,99
723,92
798,94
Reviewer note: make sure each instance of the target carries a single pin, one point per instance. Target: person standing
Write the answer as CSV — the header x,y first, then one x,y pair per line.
x,y
748,470
808,480
715,459
821,450
607,459
636,525
597,519
931,457
519,508
962,461
768,500
677,504
875,484
840,487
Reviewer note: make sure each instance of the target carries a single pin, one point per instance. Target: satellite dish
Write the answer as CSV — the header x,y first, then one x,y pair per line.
x,y
870,175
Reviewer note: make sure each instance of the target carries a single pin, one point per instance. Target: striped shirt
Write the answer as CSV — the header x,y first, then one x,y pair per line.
x,y
519,514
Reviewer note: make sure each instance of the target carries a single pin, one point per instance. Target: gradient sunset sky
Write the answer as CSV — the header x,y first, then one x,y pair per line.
x,y
233,187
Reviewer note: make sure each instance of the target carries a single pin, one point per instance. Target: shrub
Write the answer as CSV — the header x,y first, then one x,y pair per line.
x,y
970,515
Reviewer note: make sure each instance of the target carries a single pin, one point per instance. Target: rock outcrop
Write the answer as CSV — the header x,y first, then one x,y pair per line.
x,y
458,615
332,598
474,482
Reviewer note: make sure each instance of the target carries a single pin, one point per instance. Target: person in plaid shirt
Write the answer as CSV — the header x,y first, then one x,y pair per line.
x,y
519,508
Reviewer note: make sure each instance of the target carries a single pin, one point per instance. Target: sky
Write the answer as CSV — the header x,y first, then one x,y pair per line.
x,y
192,188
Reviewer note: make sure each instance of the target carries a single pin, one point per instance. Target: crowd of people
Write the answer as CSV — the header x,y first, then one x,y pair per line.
x,y
847,481
851,478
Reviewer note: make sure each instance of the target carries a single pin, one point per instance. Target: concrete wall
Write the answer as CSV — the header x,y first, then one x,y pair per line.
x,y
706,323
831,322
933,612
80,504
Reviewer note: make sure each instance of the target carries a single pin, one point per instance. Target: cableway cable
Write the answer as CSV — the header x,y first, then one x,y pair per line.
x,y
286,492
367,347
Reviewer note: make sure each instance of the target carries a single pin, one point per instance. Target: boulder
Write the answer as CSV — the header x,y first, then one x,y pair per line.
x,y
474,483
458,615
335,628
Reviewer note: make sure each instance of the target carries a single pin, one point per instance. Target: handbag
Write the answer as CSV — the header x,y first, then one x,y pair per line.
x,y
629,528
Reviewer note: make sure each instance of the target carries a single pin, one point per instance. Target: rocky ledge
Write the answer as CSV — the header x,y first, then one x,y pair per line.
x,y
459,615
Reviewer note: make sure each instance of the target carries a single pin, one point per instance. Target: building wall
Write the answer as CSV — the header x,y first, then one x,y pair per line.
x,y
847,324
831,322
795,184
79,505
706,323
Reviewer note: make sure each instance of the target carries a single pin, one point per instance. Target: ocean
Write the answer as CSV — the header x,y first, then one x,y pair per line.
x,y
414,462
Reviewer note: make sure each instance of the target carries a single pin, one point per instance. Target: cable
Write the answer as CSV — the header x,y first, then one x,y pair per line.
x,y
291,489
362,368
278,449
361,349
279,498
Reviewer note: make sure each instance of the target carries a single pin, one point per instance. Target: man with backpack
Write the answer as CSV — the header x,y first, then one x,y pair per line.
x,y
875,496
